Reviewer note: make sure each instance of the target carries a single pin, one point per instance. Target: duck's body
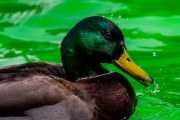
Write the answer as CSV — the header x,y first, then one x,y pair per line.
x,y
43,90
45,94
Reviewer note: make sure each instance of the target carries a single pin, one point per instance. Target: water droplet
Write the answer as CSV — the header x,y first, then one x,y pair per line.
x,y
154,54
119,16
154,88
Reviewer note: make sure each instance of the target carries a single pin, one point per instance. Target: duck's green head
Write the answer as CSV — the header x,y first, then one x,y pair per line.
x,y
96,40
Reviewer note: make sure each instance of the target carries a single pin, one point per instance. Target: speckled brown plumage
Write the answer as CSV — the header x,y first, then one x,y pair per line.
x,y
104,97
42,96
26,69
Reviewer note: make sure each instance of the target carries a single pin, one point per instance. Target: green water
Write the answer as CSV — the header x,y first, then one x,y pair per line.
x,y
32,31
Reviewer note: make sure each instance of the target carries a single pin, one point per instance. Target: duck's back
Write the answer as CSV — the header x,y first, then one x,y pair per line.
x,y
38,91
10,73
71,109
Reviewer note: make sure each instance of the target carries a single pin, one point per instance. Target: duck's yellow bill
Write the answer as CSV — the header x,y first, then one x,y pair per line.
x,y
125,63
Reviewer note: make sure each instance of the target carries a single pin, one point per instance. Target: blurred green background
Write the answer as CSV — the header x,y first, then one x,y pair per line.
x,y
31,30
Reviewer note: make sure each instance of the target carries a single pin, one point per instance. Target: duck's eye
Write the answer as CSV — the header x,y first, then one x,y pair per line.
x,y
108,35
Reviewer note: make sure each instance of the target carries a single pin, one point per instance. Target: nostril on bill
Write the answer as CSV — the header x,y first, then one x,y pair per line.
x,y
128,59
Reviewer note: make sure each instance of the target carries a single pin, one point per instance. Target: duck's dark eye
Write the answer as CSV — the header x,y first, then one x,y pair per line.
x,y
108,35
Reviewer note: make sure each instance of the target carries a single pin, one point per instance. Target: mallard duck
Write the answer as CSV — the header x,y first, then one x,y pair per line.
x,y
80,89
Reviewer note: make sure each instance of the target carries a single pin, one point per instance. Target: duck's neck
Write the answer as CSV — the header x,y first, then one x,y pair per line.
x,y
79,66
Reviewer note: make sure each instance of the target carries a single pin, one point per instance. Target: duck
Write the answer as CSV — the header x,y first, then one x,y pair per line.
x,y
80,88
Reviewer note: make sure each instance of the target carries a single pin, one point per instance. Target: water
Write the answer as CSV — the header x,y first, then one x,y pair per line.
x,y
32,31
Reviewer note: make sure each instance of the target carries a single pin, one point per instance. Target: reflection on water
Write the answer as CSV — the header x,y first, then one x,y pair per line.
x,y
17,11
144,44
32,30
